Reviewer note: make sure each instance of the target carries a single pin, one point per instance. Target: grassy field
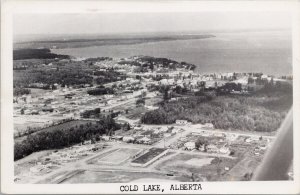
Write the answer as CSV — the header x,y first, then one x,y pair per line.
x,y
117,177
118,156
135,113
181,165
246,165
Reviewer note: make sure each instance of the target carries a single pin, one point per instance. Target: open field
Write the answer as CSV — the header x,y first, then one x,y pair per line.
x,y
243,167
118,156
116,177
136,113
22,123
185,164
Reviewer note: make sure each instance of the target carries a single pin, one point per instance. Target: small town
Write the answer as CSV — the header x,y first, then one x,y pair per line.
x,y
137,139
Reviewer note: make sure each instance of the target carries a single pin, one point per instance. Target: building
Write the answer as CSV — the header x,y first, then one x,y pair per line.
x,y
117,137
128,139
106,138
167,135
190,145
208,125
145,140
212,148
164,129
181,122
224,150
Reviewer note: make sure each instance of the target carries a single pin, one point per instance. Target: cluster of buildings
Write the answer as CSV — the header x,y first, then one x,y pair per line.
x,y
140,134
58,158
70,103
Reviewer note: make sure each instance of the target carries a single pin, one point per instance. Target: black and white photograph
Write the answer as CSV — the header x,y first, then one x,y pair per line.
x,y
167,94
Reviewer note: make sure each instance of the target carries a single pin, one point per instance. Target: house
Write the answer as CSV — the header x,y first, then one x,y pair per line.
x,y
164,129
181,122
190,145
47,109
107,96
208,125
224,150
117,137
212,148
112,101
205,134
175,130
106,138
219,134
128,139
138,128
145,140
151,107
263,147
87,142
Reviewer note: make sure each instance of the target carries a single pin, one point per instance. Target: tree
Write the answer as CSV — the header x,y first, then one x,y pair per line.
x,y
140,101
239,87
126,127
202,85
272,82
201,142
250,80
22,111
248,176
144,93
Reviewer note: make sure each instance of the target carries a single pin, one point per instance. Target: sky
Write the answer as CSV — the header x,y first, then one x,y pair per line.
x,y
107,23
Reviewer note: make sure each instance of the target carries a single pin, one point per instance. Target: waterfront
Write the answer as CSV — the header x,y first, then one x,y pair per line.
x,y
268,52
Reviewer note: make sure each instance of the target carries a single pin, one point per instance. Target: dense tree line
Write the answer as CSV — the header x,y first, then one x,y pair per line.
x,y
259,112
228,87
71,76
101,90
35,54
98,59
59,138
21,91
108,76
49,77
95,113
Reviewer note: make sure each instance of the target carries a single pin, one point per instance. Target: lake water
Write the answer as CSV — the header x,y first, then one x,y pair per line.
x,y
269,52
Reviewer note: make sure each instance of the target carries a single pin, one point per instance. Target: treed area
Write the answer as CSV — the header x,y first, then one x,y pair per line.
x,y
59,138
264,110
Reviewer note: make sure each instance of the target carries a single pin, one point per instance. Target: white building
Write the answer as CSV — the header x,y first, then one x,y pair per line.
x,y
145,140
128,139
181,122
190,145
106,138
208,125
224,150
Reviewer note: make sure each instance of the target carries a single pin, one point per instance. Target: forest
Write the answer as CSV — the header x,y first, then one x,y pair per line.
x,y
108,76
101,90
64,77
262,111
19,54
